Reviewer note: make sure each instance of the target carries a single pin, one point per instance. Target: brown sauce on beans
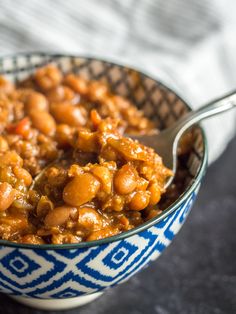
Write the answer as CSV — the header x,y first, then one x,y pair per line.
x,y
105,184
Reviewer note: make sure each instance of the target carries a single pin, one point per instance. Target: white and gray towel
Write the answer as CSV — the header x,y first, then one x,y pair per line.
x,y
189,44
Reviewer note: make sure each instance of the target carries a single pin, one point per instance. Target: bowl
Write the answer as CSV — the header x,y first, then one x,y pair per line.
x,y
69,275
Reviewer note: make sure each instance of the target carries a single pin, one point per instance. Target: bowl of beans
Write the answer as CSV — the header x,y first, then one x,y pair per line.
x,y
83,206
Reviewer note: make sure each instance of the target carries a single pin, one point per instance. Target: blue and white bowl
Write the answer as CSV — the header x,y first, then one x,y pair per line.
x,y
74,274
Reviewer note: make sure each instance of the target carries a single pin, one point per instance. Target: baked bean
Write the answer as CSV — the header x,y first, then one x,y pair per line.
x,y
3,144
81,189
121,102
109,154
155,194
97,91
105,177
89,218
43,121
140,200
59,216
62,93
103,233
125,180
23,175
68,114
48,77
10,158
117,203
78,84
124,221
64,134
7,195
6,175
87,141
36,101
142,184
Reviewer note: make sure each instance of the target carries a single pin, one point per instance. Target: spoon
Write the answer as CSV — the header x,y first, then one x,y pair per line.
x,y
166,142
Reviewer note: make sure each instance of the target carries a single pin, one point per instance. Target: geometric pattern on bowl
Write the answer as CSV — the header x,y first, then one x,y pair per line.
x,y
73,272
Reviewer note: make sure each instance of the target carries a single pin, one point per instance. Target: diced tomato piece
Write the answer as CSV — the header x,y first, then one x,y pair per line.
x,y
21,128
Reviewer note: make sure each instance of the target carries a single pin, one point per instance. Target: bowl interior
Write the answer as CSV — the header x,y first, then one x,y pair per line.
x,y
158,102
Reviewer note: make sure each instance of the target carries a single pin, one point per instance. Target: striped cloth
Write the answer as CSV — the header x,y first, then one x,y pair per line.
x,y
189,44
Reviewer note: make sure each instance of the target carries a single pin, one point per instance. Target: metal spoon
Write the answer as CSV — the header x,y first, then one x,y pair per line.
x,y
166,142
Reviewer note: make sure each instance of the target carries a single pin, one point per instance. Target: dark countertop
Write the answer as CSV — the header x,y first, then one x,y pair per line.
x,y
196,274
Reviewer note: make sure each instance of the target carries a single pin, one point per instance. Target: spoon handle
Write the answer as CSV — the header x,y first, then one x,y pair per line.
x,y
212,108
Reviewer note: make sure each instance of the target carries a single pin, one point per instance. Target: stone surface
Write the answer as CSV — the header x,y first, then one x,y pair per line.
x,y
196,274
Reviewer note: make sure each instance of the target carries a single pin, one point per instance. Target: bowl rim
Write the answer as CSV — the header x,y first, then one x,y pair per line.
x,y
146,225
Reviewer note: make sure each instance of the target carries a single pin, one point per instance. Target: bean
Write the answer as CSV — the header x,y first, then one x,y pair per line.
x,y
62,93
69,114
121,102
48,77
125,180
3,144
23,175
10,158
124,221
36,101
105,177
103,233
89,218
87,141
109,154
155,194
78,84
81,189
64,134
7,195
43,121
97,91
59,215
140,200
6,175
142,184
